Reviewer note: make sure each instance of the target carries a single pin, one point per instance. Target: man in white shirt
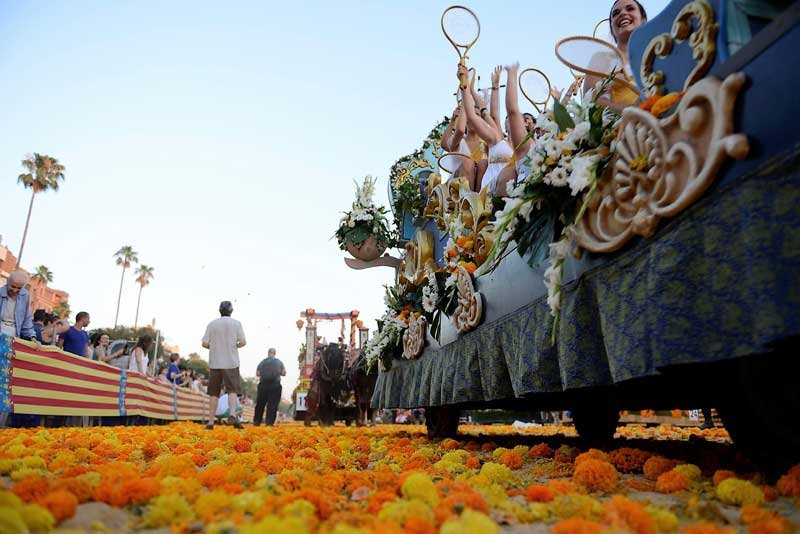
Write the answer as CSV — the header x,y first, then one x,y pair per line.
x,y
223,339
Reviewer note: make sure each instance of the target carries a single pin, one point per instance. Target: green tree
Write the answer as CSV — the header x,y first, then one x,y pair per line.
x,y
62,309
250,387
200,366
143,276
44,173
42,274
125,256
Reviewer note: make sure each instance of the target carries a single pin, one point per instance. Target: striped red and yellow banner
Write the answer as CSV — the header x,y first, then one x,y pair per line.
x,y
49,381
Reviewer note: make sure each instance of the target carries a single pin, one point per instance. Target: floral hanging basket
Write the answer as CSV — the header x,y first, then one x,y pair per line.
x,y
371,249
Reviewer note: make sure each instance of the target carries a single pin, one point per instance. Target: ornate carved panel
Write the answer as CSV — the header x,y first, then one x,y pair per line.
x,y
419,253
663,165
469,310
414,338
702,40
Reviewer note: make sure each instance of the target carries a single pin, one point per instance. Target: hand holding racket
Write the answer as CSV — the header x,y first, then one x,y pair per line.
x,y
594,57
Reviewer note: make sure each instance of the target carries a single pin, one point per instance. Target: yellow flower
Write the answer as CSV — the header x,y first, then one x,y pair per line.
x,y
401,510
166,510
690,471
7,465
739,492
34,462
248,502
497,473
300,508
24,473
271,523
37,518
420,486
665,520
11,521
576,505
8,499
344,528
470,522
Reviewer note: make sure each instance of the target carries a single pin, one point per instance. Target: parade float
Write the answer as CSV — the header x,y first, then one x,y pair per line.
x,y
648,261
324,391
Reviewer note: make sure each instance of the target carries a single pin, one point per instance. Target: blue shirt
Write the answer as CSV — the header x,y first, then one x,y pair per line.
x,y
171,372
22,312
75,341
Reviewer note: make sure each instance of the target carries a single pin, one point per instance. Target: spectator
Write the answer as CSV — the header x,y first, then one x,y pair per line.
x,y
173,371
197,383
223,339
100,343
38,323
15,308
162,375
53,327
139,357
269,372
75,339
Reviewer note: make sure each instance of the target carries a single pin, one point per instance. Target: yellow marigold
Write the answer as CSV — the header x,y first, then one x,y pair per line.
x,y
300,508
167,510
420,486
11,521
690,471
576,526
344,528
36,518
738,492
271,523
8,465
400,510
496,473
576,505
213,505
248,502
665,520
671,482
498,452
706,528
470,522
9,500
596,475
34,462
522,450
25,472
190,488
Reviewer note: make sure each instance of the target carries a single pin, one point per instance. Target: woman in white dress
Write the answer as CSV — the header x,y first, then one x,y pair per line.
x,y
485,125
139,358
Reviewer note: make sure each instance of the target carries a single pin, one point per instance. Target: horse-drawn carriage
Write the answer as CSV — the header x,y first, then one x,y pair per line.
x,y
687,290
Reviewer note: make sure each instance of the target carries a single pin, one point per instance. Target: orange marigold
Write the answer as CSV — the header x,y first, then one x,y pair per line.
x,y
657,466
706,528
576,526
594,454
628,460
671,482
542,450
563,487
789,484
62,504
624,513
376,500
31,489
473,462
770,494
538,493
459,500
566,454
511,459
417,525
722,474
596,475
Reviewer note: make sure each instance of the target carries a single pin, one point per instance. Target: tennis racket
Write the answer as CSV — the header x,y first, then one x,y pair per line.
x,y
535,87
461,27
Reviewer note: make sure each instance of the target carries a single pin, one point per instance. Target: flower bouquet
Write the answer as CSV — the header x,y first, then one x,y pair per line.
x,y
364,230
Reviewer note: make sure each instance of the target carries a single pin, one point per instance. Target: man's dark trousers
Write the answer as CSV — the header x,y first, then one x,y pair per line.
x,y
269,395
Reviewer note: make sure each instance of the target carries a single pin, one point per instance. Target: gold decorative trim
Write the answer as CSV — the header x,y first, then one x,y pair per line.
x,y
405,172
436,206
469,310
419,253
414,338
702,41
663,165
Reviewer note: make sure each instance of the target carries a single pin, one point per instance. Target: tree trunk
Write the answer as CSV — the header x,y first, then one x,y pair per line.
x,y
25,232
138,301
119,298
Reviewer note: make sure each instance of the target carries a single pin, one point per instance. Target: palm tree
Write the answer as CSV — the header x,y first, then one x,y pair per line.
x,y
62,309
144,275
44,172
125,256
42,274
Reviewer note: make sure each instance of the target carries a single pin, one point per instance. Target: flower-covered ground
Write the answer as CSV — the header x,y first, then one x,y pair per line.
x,y
388,479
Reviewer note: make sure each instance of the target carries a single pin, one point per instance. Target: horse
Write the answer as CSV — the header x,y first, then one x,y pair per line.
x,y
363,377
329,380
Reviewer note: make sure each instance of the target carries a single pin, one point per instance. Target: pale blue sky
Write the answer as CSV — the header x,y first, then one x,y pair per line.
x,y
221,141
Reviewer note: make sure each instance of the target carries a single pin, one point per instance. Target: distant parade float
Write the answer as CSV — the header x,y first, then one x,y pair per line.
x,y
646,259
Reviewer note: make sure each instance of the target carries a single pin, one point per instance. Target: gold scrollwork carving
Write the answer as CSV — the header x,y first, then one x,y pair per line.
x,y
414,338
702,40
663,165
436,207
469,311
405,172
419,253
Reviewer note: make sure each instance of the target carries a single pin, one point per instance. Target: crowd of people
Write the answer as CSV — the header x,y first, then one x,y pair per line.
x,y
490,153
